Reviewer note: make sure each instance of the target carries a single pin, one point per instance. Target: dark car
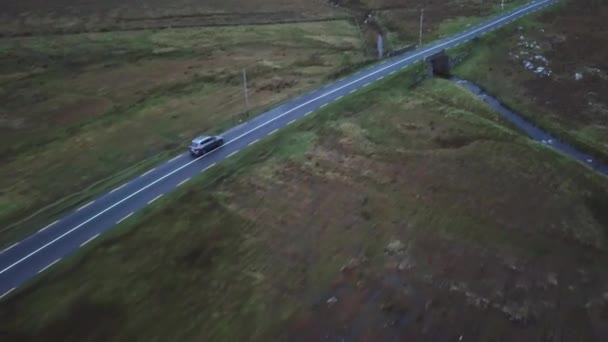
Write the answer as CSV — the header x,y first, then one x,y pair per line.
x,y
205,144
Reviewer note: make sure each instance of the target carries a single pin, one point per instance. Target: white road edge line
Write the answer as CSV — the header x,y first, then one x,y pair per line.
x,y
339,97
307,114
84,206
352,91
231,154
253,142
120,187
324,105
379,78
392,72
124,218
48,226
49,266
183,182
366,84
89,240
406,59
155,198
7,292
148,172
9,247
208,167
276,130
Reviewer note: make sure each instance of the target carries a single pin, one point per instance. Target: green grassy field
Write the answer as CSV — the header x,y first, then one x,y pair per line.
x,y
403,200
81,113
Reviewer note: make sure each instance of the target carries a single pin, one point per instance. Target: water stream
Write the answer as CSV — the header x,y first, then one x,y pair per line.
x,y
532,130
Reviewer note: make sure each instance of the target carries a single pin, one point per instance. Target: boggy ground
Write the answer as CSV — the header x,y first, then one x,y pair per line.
x,y
400,212
551,68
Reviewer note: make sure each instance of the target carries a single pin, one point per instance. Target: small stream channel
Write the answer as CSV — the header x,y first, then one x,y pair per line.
x,y
531,130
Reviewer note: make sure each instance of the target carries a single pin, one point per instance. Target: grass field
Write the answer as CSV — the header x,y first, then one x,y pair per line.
x,y
406,212
567,39
59,16
79,113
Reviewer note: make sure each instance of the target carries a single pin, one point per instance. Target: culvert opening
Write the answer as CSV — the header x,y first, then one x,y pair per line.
x,y
440,64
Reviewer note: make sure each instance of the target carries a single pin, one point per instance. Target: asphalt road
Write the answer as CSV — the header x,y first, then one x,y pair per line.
x,y
21,262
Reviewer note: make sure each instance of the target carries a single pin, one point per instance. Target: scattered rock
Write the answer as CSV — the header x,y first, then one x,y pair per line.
x,y
405,264
552,279
394,247
428,305
457,287
331,301
578,76
518,313
522,38
477,301
353,264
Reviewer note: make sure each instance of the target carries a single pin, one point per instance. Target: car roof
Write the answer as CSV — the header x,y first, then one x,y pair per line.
x,y
198,140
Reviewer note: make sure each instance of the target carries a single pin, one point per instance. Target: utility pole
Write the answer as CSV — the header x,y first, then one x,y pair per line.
x,y
245,92
380,46
421,19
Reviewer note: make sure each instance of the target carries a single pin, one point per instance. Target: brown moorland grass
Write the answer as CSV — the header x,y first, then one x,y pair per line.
x,y
396,213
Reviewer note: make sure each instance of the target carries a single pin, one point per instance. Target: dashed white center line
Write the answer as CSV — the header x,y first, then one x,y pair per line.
x,y
324,105
352,91
408,59
253,142
7,292
212,165
290,122
147,173
84,206
124,218
155,198
183,182
274,131
89,240
307,114
48,226
120,187
49,265
9,247
231,154
176,157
